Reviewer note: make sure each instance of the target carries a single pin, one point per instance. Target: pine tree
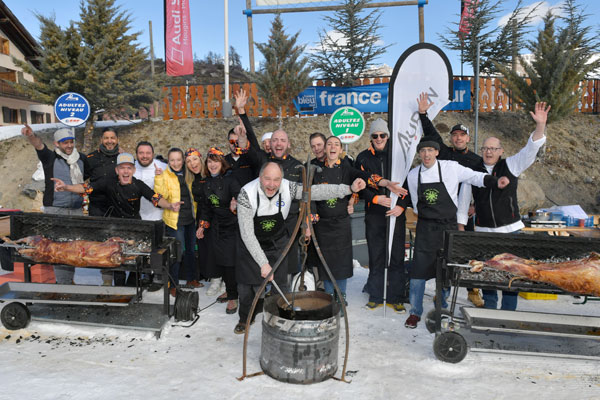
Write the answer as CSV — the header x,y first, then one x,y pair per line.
x,y
97,57
348,52
561,60
496,44
56,73
283,73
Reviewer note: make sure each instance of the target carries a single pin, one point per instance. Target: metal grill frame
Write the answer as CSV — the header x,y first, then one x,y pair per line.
x,y
460,247
66,227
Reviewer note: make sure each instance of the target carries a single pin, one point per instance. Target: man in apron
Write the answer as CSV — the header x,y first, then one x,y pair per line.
x,y
434,198
263,207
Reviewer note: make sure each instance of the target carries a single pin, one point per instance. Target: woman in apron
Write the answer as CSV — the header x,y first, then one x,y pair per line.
x,y
333,230
217,222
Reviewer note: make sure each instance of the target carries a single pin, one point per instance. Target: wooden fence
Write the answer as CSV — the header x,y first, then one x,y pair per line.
x,y
206,101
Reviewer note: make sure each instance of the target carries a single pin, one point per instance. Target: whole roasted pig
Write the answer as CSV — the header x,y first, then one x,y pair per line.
x,y
78,253
576,276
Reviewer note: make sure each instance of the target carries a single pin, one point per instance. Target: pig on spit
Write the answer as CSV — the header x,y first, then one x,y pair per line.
x,y
576,276
77,253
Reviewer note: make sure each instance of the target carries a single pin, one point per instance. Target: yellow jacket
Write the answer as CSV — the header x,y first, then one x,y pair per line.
x,y
167,185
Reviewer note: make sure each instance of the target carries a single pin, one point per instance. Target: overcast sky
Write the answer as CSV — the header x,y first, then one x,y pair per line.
x,y
400,24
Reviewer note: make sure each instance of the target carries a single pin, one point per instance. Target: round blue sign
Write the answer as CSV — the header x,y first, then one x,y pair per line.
x,y
72,109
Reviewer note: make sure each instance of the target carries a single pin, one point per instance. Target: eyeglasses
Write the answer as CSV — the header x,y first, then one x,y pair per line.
x,y
377,136
484,149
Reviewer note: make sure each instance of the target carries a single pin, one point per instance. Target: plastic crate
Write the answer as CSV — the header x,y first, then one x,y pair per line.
x,y
538,296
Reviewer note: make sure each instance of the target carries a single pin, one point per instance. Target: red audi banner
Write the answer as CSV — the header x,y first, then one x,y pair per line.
x,y
467,9
178,38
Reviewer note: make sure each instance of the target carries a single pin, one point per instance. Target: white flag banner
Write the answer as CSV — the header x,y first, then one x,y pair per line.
x,y
421,68
279,2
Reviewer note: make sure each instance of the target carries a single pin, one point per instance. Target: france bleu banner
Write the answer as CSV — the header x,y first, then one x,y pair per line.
x,y
327,99
368,98
462,97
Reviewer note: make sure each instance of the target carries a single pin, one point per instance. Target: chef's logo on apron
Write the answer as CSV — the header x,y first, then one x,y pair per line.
x,y
214,200
431,196
331,203
277,203
268,224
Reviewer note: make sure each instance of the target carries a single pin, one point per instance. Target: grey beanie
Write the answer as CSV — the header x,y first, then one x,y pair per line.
x,y
379,125
63,134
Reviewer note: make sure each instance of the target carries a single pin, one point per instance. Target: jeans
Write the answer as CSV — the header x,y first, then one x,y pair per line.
x,y
509,300
416,293
63,274
329,286
186,236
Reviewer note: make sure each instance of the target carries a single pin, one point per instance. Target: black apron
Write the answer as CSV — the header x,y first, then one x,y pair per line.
x,y
272,235
437,213
221,236
333,230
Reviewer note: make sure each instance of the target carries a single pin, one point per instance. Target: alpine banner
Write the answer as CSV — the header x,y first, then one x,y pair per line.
x,y
178,38
421,68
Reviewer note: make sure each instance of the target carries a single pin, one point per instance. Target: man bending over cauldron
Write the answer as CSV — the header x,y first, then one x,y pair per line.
x,y
263,207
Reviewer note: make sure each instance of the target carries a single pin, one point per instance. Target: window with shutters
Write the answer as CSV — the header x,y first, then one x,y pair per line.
x,y
4,46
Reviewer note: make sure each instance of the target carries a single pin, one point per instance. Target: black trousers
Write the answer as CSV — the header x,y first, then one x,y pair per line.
x,y
375,226
246,295
230,283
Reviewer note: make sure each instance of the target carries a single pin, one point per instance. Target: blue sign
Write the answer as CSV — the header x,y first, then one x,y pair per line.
x,y
462,97
72,109
327,99
368,98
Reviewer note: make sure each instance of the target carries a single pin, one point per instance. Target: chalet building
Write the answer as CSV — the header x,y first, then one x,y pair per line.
x,y
16,41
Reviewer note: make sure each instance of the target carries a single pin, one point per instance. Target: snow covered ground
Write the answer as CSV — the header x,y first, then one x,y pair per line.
x,y
386,361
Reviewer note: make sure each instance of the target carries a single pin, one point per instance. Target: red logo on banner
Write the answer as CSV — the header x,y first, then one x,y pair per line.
x,y
178,38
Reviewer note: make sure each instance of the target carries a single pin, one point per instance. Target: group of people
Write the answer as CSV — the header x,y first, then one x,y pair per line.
x,y
234,213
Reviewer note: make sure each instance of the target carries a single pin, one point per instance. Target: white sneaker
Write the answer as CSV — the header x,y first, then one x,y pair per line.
x,y
222,288
215,287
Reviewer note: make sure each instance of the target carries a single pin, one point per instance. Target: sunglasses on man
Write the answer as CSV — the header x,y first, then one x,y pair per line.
x,y
380,135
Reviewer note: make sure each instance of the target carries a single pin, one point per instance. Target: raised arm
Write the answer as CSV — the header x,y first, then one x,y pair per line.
x,y
519,162
540,116
35,141
429,130
241,98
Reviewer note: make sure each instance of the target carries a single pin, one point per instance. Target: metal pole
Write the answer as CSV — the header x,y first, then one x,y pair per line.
x,y
334,8
421,21
462,51
250,34
476,98
151,50
226,104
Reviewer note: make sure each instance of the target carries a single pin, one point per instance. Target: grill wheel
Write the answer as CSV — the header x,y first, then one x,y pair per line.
x,y
15,316
450,347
